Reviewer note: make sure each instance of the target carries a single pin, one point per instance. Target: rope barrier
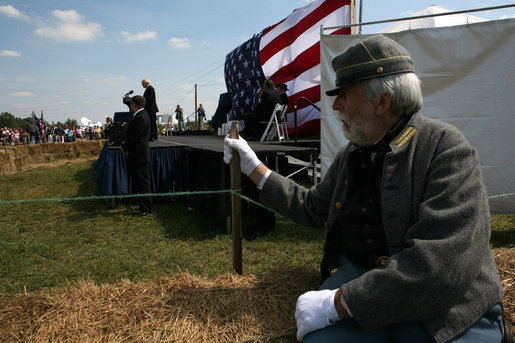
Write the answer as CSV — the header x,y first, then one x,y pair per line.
x,y
501,196
122,196
119,196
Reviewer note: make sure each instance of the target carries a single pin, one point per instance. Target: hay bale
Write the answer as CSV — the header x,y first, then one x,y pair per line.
x,y
19,157
181,308
505,261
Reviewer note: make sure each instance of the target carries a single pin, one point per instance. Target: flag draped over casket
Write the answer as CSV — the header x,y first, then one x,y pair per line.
x,y
287,52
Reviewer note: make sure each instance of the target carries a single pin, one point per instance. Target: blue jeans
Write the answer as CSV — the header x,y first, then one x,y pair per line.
x,y
487,329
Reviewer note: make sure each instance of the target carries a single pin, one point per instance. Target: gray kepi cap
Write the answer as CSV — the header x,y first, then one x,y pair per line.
x,y
375,56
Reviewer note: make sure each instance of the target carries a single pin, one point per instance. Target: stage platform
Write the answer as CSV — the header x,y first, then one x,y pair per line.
x,y
192,163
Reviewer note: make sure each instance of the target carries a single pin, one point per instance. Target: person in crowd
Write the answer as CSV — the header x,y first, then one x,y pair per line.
x,y
406,255
138,154
108,127
80,133
60,134
97,132
257,119
201,112
24,137
68,134
150,107
179,115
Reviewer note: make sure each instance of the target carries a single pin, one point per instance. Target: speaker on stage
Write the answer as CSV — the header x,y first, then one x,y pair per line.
x,y
115,132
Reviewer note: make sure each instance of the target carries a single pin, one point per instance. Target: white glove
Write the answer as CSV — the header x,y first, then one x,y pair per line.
x,y
248,158
315,310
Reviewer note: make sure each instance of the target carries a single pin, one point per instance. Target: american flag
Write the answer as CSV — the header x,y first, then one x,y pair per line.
x,y
287,52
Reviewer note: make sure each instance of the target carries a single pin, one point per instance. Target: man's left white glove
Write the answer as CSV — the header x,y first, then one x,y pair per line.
x,y
248,159
315,310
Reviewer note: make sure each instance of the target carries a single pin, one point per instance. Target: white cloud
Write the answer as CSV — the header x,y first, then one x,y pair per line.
x,y
23,94
9,53
507,16
12,12
70,27
76,92
179,43
70,16
140,36
117,80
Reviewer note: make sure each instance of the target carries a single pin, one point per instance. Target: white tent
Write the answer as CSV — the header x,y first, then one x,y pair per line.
x,y
437,21
467,78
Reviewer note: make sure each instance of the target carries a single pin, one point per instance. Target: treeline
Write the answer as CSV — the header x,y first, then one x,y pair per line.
x,y
10,121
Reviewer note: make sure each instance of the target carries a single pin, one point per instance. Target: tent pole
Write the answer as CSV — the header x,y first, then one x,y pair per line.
x,y
360,14
420,17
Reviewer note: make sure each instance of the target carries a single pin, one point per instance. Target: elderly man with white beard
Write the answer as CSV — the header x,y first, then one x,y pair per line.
x,y
406,255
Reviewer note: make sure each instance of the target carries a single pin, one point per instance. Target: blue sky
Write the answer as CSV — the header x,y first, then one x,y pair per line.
x,y
76,58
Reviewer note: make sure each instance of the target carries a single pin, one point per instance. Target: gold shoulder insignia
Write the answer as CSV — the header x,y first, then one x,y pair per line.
x,y
406,135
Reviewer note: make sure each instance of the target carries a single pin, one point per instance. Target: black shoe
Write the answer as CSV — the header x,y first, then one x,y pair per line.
x,y
142,214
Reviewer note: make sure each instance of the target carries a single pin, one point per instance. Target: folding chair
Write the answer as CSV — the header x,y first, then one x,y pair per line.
x,y
272,128
282,124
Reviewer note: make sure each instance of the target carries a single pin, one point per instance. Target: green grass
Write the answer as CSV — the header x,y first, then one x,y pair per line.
x,y
53,244
503,231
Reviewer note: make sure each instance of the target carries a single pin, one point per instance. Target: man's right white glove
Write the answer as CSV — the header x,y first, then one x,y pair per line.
x,y
248,158
315,310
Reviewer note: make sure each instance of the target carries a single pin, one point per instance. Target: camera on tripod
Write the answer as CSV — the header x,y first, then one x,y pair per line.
x,y
115,131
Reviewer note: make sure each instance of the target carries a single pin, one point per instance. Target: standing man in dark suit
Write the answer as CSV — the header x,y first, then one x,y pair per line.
x,y
138,154
150,107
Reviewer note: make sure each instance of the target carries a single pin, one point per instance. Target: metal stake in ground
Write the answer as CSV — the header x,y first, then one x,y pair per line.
x,y
236,213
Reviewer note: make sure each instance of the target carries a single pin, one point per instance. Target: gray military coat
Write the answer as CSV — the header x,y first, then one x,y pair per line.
x,y
436,219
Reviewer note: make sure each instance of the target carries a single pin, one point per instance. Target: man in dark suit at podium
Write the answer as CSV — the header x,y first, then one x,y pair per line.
x,y
138,154
150,107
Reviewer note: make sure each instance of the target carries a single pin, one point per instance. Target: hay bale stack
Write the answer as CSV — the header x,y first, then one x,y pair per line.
x,y
181,308
16,158
505,261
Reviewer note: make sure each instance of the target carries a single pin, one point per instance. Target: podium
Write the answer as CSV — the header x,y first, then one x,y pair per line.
x,y
122,117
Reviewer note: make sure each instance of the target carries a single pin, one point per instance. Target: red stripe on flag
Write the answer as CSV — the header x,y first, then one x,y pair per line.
x,y
344,31
313,94
306,129
288,37
305,61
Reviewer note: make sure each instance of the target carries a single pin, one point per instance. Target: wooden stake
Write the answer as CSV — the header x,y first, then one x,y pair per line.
x,y
236,212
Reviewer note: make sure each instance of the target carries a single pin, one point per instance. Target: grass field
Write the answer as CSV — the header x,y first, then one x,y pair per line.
x,y
51,245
